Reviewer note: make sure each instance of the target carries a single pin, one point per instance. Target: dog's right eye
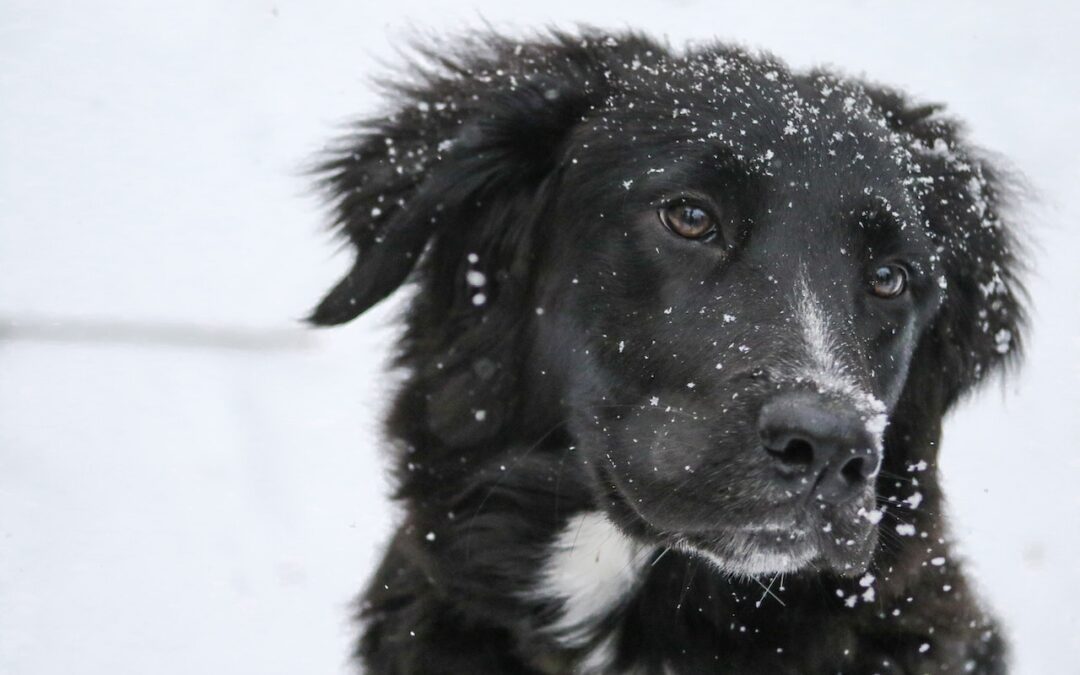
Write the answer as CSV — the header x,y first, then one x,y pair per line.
x,y
688,220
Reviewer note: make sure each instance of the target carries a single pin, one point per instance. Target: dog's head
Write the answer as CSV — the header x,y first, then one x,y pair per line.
x,y
743,291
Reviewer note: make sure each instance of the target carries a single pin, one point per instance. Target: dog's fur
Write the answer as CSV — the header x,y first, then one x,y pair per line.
x,y
577,452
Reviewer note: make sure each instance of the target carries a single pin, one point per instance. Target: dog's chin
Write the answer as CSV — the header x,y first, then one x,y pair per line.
x,y
840,545
757,551
754,552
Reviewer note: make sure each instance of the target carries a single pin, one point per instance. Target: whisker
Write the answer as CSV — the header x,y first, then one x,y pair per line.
x,y
691,569
768,591
662,554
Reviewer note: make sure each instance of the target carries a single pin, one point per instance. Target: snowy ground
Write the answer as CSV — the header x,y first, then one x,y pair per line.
x,y
208,497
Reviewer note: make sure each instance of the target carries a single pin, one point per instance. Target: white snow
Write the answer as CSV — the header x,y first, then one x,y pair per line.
x,y
874,515
1003,340
184,507
914,500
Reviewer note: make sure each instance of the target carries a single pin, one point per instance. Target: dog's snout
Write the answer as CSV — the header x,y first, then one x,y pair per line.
x,y
818,446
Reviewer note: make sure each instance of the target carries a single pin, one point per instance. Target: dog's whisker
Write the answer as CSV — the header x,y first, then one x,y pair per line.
x,y
688,580
769,591
660,557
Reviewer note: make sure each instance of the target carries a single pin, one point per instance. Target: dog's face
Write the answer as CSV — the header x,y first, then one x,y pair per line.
x,y
723,275
742,307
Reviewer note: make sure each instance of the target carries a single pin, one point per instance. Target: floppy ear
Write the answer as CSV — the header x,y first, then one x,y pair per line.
x,y
966,204
481,122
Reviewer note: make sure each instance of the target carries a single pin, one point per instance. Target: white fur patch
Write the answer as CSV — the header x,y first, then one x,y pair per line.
x,y
599,659
592,568
825,367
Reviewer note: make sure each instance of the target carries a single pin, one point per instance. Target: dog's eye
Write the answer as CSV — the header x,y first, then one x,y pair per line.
x,y
687,220
889,281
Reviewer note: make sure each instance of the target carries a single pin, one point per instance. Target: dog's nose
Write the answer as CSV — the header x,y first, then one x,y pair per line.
x,y
818,445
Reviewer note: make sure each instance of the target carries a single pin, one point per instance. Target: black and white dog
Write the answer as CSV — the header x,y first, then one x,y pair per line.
x,y
685,328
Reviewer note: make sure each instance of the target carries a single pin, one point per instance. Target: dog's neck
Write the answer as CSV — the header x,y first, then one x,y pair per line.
x,y
604,586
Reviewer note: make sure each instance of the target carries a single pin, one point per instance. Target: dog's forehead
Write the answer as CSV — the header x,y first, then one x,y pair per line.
x,y
759,110
813,137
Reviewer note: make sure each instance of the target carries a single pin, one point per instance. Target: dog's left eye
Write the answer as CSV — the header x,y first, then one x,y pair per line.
x,y
687,220
889,281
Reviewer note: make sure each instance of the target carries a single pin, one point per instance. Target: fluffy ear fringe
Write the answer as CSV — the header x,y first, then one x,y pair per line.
x,y
490,115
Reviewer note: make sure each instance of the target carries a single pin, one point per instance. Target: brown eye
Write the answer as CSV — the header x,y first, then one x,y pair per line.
x,y
889,281
687,220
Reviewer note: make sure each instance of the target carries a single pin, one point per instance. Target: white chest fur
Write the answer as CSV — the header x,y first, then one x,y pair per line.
x,y
592,567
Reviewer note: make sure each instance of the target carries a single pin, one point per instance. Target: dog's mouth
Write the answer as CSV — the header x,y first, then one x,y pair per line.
x,y
811,539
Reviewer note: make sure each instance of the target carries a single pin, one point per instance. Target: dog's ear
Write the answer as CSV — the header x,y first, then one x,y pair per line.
x,y
967,203
482,120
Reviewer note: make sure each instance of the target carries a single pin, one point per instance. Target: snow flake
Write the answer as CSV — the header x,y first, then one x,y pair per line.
x,y
873,516
905,530
1003,341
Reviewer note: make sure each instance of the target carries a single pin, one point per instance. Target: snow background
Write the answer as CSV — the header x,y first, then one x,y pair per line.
x,y
189,482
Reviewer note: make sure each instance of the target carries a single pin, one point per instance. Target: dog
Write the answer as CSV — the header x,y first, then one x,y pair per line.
x,y
684,328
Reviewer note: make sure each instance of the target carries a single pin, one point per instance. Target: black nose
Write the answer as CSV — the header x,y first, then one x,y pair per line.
x,y
818,445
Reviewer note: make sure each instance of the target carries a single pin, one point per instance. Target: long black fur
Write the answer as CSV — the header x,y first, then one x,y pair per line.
x,y
521,160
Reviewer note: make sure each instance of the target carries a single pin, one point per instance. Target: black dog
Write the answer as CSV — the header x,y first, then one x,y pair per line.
x,y
685,330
